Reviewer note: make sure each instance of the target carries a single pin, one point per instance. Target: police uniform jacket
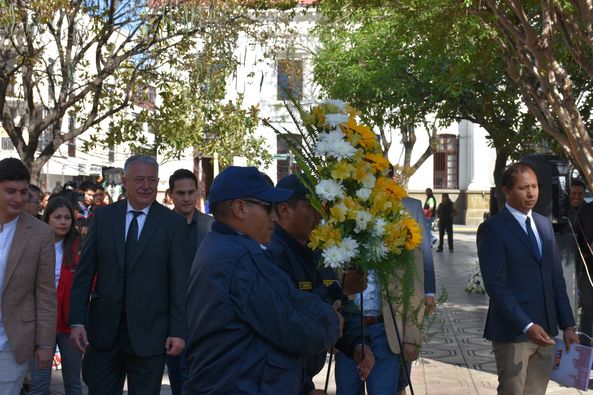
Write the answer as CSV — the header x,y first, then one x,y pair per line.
x,y
301,264
248,326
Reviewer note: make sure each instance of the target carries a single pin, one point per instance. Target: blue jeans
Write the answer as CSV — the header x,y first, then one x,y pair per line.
x,y
384,377
178,372
71,360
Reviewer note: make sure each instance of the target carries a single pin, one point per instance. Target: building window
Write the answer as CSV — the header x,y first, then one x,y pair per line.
x,y
72,148
7,144
290,79
285,163
446,162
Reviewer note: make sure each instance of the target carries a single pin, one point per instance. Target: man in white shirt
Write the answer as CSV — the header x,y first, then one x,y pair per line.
x,y
28,299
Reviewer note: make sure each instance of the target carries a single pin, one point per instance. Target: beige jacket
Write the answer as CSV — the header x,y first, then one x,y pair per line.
x,y
28,293
410,330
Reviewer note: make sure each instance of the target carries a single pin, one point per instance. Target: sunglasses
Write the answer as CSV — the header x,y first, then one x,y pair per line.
x,y
267,205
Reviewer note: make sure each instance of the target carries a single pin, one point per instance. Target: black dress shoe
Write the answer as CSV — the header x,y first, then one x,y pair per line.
x,y
439,250
451,250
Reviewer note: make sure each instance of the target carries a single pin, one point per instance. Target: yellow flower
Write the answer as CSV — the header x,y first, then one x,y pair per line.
x,y
391,187
413,233
378,162
324,235
394,237
342,170
359,133
315,118
338,212
361,170
381,202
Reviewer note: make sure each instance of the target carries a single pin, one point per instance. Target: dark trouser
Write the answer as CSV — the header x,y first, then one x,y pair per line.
x,y
104,370
71,357
178,372
586,299
446,226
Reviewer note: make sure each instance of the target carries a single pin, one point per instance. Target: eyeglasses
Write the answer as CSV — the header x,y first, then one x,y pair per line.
x,y
267,205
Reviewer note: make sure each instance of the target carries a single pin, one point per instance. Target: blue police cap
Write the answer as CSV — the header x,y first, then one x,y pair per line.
x,y
236,182
292,182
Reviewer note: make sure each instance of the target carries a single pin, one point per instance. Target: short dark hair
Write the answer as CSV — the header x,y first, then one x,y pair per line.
x,y
86,185
181,174
99,187
509,176
577,183
221,210
35,189
12,169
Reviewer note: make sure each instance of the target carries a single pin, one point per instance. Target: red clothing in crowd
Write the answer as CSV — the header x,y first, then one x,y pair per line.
x,y
65,287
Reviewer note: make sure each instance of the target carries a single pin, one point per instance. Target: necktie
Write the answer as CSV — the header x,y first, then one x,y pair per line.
x,y
531,237
132,238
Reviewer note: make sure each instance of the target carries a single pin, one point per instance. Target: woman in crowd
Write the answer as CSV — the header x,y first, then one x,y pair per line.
x,y
59,214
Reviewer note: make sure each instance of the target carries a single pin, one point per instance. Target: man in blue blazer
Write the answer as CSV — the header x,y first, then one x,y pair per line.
x,y
523,278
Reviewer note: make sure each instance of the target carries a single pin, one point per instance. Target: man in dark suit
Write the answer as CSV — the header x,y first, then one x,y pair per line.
x,y
183,187
523,277
137,249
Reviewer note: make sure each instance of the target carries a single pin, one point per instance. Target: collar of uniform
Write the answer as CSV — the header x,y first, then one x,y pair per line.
x,y
303,250
221,227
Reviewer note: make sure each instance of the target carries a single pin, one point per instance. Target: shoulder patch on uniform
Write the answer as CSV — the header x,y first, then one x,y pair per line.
x,y
305,285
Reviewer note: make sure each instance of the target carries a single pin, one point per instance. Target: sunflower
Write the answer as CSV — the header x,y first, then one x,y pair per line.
x,y
413,233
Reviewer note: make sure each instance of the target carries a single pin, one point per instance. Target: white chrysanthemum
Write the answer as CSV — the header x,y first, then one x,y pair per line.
x,y
329,190
378,227
362,220
369,180
335,145
378,251
338,103
364,193
349,247
326,140
334,120
333,257
342,150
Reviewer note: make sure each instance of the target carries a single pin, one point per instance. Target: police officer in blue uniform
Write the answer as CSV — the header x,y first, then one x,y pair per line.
x,y
289,250
249,328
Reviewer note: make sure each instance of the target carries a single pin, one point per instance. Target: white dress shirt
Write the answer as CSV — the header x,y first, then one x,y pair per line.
x,y
521,218
59,248
140,218
6,236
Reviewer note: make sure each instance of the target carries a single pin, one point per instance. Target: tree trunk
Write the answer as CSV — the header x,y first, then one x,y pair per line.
x,y
502,156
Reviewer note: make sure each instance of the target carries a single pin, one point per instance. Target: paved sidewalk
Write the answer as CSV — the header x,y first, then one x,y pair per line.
x,y
455,359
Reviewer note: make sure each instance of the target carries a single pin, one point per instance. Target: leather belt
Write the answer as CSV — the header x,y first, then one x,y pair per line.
x,y
368,321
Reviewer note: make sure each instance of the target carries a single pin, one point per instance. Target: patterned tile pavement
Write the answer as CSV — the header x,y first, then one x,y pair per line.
x,y
455,359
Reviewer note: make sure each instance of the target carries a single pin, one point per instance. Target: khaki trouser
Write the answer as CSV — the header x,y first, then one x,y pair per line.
x,y
523,368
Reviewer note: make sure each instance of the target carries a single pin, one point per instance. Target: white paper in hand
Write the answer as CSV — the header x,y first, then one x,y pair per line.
x,y
573,368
